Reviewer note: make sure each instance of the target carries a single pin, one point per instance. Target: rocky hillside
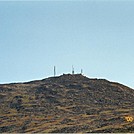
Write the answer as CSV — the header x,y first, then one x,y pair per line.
x,y
68,103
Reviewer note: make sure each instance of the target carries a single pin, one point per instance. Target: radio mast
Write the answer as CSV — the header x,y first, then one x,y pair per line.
x,y
81,71
54,71
72,70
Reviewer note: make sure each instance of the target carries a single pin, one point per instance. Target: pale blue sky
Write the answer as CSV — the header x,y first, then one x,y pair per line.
x,y
97,36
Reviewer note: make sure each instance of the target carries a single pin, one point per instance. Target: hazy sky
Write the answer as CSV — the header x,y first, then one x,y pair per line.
x,y
97,36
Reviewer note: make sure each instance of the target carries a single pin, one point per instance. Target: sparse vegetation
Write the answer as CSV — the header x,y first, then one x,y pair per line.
x,y
68,103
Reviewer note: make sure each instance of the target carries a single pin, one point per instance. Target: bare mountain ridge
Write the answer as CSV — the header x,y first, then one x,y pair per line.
x,y
67,103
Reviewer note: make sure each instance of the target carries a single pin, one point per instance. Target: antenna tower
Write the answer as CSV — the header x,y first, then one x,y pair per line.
x,y
72,70
54,71
81,71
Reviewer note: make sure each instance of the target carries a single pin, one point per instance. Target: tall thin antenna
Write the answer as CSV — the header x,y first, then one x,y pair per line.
x,y
54,71
81,71
72,70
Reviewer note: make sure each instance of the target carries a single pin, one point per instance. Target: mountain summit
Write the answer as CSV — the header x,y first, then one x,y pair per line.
x,y
66,103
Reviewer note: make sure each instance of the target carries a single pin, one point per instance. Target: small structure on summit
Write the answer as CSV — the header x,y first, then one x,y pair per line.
x,y
54,71
72,70
81,71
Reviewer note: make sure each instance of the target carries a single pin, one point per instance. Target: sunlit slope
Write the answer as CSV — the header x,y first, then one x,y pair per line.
x,y
68,103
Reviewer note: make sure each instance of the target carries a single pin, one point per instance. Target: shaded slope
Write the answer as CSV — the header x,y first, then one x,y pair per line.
x,y
68,103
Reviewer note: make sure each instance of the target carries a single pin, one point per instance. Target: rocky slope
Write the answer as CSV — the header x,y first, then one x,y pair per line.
x,y
68,103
